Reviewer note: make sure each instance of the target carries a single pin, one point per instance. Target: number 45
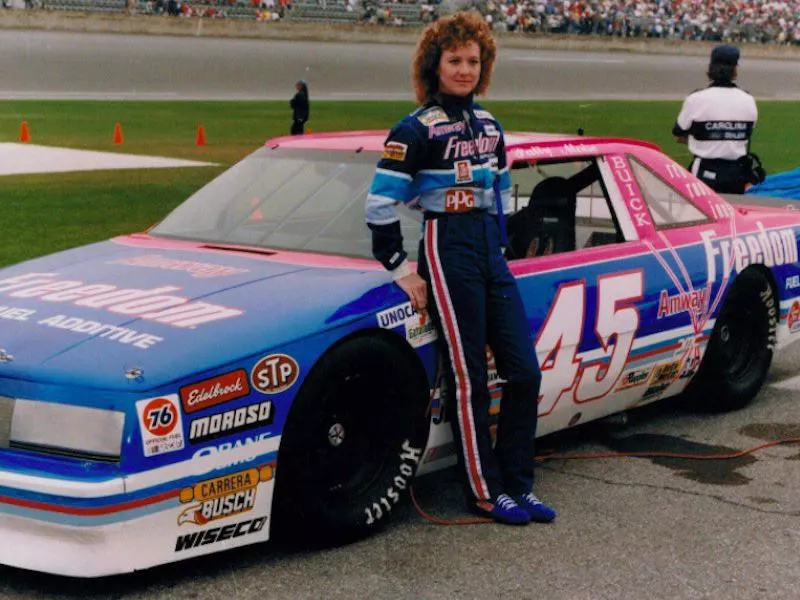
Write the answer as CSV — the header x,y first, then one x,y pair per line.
x,y
617,317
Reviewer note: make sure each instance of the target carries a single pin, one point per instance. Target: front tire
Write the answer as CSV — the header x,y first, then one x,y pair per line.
x,y
740,349
352,443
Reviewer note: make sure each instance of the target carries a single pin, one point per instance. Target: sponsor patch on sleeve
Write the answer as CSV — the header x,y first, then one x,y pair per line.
x,y
433,116
395,151
484,115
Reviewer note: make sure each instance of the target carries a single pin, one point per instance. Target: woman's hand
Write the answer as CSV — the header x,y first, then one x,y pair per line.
x,y
417,290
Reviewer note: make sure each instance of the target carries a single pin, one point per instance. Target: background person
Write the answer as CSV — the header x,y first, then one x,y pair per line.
x,y
301,108
446,157
717,123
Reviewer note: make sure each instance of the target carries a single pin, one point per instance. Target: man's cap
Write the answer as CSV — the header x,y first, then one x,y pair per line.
x,y
725,54
300,82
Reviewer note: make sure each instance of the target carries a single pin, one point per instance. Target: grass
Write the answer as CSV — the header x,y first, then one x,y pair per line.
x,y
46,213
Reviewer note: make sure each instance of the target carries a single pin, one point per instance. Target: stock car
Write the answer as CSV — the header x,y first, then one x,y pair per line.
x,y
245,370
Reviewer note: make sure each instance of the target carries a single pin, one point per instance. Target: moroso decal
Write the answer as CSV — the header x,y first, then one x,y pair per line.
x,y
231,421
218,534
222,497
154,304
274,374
210,392
160,423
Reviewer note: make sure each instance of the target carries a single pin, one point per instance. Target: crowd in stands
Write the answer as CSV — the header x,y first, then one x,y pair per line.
x,y
736,21
757,21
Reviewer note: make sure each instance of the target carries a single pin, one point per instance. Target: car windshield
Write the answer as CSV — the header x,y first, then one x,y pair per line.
x,y
308,200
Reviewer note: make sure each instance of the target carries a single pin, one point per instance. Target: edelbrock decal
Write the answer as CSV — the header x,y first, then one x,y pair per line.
x,y
216,390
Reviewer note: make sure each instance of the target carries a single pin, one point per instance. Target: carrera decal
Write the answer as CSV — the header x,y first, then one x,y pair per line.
x,y
222,497
195,269
666,373
274,373
151,304
216,390
161,426
235,420
395,151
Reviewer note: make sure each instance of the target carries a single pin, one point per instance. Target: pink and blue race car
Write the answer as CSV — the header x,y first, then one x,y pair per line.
x,y
246,370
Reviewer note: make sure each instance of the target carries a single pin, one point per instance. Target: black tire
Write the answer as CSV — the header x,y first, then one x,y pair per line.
x,y
740,348
331,488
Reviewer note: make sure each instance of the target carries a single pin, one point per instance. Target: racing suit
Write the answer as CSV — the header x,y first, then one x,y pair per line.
x,y
719,122
445,158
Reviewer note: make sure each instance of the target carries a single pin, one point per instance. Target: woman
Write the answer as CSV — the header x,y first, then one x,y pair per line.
x,y
300,108
448,158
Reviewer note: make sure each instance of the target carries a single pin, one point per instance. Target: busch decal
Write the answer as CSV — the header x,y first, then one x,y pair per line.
x,y
210,392
222,497
274,374
160,423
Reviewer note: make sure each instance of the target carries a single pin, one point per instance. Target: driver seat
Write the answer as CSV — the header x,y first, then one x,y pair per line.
x,y
547,224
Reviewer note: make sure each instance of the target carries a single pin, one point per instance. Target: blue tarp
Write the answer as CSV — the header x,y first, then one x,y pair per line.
x,y
779,185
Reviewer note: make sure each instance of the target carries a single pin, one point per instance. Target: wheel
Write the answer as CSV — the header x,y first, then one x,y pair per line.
x,y
352,444
740,348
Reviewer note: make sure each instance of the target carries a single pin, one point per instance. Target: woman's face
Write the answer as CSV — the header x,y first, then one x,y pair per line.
x,y
460,69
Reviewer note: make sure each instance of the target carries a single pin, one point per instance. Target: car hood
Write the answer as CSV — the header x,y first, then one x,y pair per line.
x,y
90,315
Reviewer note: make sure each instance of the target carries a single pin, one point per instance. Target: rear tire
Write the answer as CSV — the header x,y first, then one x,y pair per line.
x,y
351,445
740,349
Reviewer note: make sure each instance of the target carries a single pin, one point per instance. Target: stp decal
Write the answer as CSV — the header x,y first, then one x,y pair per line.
x,y
275,373
160,423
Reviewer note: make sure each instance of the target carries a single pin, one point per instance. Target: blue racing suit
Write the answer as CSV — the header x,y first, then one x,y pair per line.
x,y
446,158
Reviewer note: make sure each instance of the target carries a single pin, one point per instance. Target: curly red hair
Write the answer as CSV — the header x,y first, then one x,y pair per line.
x,y
446,34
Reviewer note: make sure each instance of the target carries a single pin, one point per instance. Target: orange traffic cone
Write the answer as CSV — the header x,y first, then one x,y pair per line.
x,y
200,140
117,134
308,130
24,134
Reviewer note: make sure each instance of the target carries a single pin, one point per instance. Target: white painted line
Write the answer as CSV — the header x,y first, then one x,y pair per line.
x,y
24,159
564,59
792,383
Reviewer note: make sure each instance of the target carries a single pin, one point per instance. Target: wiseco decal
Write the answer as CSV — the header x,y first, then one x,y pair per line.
x,y
222,497
218,534
274,374
152,304
210,392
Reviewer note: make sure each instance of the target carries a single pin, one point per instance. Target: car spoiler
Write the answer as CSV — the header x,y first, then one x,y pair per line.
x,y
768,201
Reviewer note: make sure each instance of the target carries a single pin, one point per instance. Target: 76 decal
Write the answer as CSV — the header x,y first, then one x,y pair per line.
x,y
160,424
616,323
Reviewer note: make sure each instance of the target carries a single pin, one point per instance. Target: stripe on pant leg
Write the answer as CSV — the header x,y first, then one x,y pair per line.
x,y
441,294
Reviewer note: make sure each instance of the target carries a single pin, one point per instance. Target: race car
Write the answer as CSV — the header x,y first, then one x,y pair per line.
x,y
246,370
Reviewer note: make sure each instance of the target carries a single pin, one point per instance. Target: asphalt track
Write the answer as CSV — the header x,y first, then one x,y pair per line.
x,y
627,528
42,64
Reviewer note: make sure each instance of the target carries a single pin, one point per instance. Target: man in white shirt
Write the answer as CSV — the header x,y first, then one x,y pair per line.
x,y
717,123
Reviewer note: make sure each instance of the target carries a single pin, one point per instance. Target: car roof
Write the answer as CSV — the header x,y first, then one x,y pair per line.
x,y
373,140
